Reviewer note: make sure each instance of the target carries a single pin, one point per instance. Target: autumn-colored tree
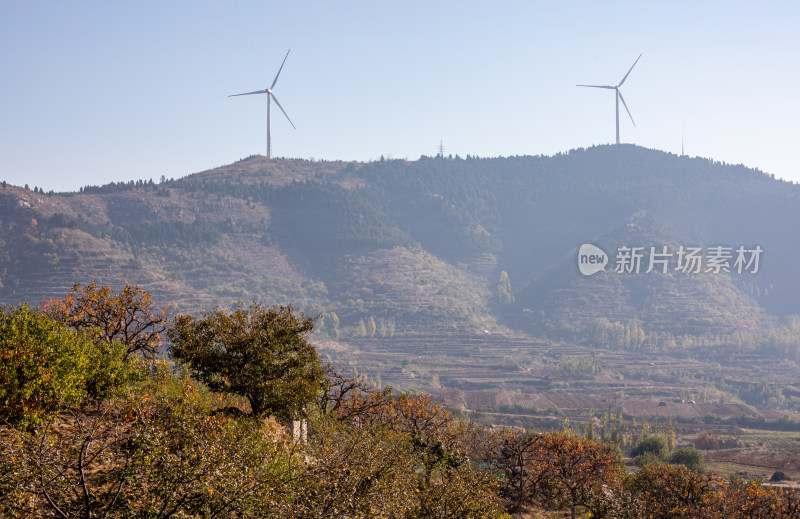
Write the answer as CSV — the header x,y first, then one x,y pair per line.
x,y
706,440
348,399
444,480
674,491
419,416
55,470
155,455
358,471
555,471
751,500
580,469
127,316
259,353
457,490
377,454
519,456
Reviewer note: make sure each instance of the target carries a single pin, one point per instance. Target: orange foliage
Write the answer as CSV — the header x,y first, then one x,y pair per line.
x,y
556,471
754,501
127,316
674,491
706,440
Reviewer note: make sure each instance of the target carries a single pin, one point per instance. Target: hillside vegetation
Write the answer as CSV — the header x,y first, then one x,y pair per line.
x,y
458,276
95,427
428,239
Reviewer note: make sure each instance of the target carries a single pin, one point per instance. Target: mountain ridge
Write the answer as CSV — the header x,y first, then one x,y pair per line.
x,y
421,242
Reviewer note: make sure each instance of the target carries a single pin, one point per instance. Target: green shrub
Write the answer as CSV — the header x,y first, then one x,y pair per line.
x,y
45,366
655,445
647,458
108,371
42,365
688,457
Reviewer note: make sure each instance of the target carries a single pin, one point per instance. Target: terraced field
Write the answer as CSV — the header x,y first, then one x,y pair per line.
x,y
522,377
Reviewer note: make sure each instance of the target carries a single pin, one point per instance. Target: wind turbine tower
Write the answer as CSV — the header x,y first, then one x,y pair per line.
x,y
270,97
618,94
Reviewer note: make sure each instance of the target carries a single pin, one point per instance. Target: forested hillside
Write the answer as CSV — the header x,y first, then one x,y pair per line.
x,y
423,243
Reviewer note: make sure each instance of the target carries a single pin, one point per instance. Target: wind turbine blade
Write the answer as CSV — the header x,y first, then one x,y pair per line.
x,y
626,106
249,93
598,86
284,111
279,71
629,71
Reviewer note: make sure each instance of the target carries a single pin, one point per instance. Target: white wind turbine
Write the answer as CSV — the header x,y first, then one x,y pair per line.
x,y
271,97
618,95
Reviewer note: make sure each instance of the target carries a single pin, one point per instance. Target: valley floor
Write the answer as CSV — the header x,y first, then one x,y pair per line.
x,y
747,400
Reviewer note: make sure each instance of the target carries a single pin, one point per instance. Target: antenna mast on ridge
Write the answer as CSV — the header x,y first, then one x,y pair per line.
x,y
441,150
683,129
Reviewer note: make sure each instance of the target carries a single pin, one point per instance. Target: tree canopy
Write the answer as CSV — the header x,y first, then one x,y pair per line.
x,y
259,353
44,366
126,317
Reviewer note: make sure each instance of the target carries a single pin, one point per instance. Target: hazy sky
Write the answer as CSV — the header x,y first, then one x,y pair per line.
x,y
94,92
